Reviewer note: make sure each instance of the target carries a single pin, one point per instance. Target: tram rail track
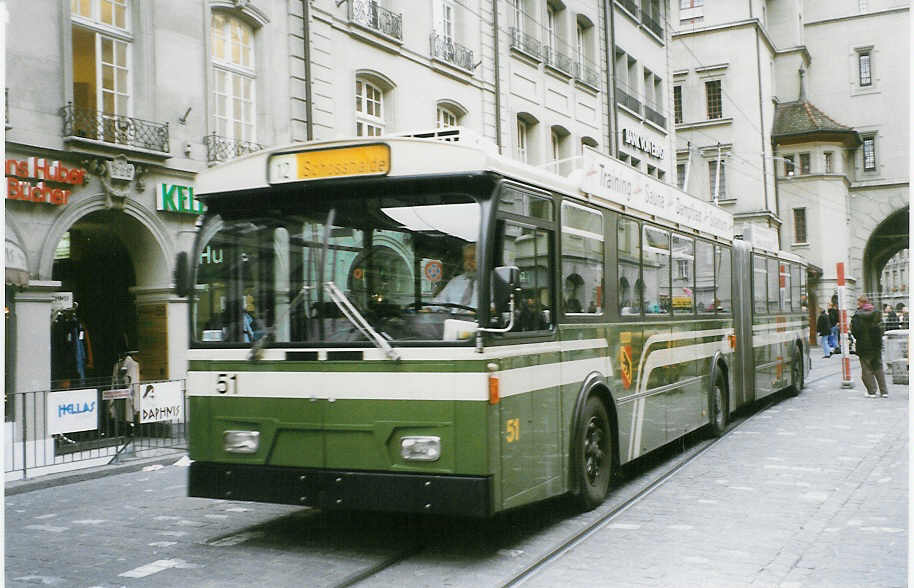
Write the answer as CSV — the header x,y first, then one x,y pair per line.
x,y
607,518
600,523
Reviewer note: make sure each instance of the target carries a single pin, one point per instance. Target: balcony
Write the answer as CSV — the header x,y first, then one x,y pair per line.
x,y
626,98
648,21
374,17
114,128
630,6
587,74
654,116
219,148
448,51
525,43
557,60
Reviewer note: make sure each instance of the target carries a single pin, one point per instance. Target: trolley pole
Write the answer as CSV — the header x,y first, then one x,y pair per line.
x,y
846,381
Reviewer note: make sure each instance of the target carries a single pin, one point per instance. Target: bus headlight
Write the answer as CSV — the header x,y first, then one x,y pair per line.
x,y
241,441
420,448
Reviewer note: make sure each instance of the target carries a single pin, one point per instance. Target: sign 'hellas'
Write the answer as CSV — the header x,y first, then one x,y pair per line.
x,y
21,176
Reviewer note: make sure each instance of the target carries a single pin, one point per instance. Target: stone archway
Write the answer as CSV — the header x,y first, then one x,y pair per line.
x,y
875,214
888,238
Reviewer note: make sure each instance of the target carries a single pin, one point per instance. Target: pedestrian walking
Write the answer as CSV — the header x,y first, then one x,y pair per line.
x,y
823,328
866,325
833,321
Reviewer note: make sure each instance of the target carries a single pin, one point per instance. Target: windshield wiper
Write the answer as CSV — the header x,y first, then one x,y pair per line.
x,y
360,322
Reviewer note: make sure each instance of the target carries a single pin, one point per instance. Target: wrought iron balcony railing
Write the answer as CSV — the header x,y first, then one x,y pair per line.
x,y
450,52
627,98
558,60
371,15
587,74
524,42
648,21
630,6
219,148
655,116
114,128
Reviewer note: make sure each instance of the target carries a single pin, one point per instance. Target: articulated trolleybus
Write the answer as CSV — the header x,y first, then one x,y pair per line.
x,y
421,325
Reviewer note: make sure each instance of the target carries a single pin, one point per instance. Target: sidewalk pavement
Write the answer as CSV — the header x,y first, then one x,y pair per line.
x,y
812,491
161,456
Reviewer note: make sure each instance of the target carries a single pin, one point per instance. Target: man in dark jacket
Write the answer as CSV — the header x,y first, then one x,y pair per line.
x,y
823,329
867,329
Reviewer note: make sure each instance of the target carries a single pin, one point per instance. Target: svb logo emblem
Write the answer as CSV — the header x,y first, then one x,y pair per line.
x,y
625,365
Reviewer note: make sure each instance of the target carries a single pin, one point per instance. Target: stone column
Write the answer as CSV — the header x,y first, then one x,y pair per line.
x,y
162,333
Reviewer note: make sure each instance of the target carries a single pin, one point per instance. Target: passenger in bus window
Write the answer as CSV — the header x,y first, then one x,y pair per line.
x,y
572,303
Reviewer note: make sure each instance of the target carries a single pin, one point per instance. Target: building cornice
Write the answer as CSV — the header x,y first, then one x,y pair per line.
x,y
736,24
879,184
857,16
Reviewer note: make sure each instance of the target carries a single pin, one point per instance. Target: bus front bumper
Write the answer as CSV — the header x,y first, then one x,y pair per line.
x,y
343,489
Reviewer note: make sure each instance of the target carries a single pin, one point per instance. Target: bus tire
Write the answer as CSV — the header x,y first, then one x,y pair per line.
x,y
796,374
594,454
717,406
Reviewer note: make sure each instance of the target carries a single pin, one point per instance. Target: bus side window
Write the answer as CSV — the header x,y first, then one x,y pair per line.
x,y
629,259
795,301
704,277
759,284
722,273
582,259
774,281
655,265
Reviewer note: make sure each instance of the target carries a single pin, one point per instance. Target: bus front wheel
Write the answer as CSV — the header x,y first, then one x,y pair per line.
x,y
594,452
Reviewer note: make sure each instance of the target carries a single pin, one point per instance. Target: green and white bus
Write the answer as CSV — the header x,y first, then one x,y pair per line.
x,y
418,324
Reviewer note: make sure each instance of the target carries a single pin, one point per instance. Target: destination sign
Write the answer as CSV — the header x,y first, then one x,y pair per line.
x,y
364,160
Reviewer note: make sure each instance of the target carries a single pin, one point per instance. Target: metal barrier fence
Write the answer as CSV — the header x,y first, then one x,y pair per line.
x,y
71,428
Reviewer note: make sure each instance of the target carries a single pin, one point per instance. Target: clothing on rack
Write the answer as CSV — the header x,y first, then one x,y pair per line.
x,y
71,349
126,374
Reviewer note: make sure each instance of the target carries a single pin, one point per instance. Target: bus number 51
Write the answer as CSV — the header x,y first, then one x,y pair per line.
x,y
226,384
512,428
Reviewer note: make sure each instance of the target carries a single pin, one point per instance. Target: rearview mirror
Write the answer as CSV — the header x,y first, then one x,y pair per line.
x,y
182,275
505,280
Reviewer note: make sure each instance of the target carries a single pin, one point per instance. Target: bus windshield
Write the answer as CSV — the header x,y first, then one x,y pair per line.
x,y
407,264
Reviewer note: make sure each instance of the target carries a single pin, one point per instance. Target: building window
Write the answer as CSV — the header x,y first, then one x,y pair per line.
x,y
234,76
804,164
713,97
829,162
864,67
869,153
799,225
713,175
790,167
369,109
677,104
680,175
522,140
447,117
101,56
446,20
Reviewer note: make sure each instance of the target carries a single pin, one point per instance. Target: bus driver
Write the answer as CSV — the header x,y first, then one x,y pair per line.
x,y
462,287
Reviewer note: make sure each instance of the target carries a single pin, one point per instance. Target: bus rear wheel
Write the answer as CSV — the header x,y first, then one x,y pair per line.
x,y
717,406
594,454
796,375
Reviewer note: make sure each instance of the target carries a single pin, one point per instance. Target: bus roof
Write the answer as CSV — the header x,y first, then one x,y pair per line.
x,y
596,178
